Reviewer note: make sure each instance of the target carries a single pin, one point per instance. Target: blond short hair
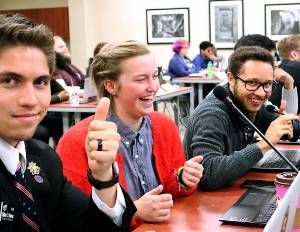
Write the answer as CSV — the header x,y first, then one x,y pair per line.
x,y
288,44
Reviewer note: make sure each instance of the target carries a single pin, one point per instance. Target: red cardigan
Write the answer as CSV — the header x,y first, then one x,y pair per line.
x,y
167,151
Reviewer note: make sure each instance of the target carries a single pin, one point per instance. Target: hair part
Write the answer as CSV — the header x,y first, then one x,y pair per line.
x,y
241,55
17,30
106,64
287,45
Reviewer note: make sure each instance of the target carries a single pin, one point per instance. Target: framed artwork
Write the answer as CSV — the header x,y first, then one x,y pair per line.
x,y
282,20
164,26
226,22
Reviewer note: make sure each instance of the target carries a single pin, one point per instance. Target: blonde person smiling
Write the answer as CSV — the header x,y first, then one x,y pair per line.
x,y
151,160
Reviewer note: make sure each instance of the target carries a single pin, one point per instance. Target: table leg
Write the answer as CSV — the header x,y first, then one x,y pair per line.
x,y
200,93
65,121
192,96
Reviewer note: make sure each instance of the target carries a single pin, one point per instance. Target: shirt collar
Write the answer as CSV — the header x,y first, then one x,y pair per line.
x,y
9,155
128,135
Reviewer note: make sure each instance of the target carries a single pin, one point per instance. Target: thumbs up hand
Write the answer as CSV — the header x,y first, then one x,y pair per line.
x,y
102,143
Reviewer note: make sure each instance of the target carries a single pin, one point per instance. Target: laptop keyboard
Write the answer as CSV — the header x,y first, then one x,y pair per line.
x,y
275,161
266,212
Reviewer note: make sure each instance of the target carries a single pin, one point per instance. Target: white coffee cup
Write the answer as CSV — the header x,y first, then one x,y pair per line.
x,y
74,92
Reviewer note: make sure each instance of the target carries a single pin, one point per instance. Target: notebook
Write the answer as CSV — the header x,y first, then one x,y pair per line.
x,y
284,218
89,91
254,208
271,161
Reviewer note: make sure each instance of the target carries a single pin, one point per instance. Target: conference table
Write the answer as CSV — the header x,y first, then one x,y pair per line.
x,y
66,108
201,210
199,81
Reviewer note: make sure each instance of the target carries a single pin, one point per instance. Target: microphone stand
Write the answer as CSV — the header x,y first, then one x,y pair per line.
x,y
229,101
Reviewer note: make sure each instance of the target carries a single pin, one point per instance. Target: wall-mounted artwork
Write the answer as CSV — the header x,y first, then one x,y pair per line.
x,y
226,22
164,26
282,20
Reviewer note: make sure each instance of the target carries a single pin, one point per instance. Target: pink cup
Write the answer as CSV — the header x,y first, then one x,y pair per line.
x,y
282,182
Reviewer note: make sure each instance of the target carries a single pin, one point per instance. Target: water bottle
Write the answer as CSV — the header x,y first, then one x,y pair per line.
x,y
210,69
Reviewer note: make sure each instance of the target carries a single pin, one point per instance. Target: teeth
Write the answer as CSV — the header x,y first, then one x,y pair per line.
x,y
148,98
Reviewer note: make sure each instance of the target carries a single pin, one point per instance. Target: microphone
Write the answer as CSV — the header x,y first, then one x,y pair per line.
x,y
221,94
273,109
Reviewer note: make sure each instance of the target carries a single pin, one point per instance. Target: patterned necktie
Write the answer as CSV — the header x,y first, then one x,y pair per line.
x,y
29,214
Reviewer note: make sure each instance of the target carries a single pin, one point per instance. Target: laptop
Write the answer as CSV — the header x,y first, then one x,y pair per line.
x,y
286,217
257,207
254,207
272,162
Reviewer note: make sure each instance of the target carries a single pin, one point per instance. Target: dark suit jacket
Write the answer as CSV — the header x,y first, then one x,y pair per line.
x,y
60,205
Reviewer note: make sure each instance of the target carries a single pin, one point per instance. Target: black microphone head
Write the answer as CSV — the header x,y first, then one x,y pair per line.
x,y
271,108
220,93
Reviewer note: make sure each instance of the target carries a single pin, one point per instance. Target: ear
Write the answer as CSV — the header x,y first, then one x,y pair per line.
x,y
294,55
231,80
110,86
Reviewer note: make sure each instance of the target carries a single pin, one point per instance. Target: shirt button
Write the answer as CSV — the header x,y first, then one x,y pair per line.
x,y
127,143
141,140
143,182
136,156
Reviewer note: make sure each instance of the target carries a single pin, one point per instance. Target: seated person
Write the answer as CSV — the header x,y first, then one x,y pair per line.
x,y
207,53
218,133
64,69
96,50
152,164
35,194
180,65
289,52
285,90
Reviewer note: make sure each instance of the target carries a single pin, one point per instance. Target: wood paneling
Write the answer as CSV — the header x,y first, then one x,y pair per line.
x,y
55,18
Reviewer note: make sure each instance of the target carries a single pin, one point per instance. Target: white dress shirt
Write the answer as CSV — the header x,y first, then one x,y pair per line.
x,y
10,158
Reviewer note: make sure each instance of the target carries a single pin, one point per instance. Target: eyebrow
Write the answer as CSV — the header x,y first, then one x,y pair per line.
x,y
18,76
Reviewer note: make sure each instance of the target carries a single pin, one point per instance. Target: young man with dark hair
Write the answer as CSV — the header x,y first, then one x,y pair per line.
x,y
207,53
218,133
34,194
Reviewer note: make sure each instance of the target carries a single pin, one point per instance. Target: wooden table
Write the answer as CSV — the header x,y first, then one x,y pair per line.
x,y
201,211
197,80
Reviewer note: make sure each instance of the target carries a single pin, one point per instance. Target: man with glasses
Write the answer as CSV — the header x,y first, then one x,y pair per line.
x,y
284,89
289,51
218,134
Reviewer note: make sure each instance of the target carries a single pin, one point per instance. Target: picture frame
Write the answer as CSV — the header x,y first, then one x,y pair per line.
x,y
164,26
282,20
226,20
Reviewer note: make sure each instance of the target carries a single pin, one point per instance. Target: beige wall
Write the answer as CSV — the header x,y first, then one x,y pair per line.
x,y
107,20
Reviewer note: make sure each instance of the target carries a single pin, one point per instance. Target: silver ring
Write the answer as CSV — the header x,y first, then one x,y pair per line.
x,y
99,145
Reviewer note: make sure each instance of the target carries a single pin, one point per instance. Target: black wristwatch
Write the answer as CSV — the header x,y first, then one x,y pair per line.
x,y
104,184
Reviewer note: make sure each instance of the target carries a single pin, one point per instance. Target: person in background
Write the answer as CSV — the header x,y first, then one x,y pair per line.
x,y
34,194
180,65
95,52
285,90
151,159
221,136
65,70
289,52
207,54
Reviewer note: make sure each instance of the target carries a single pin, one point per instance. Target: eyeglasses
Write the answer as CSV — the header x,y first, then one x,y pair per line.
x,y
254,85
